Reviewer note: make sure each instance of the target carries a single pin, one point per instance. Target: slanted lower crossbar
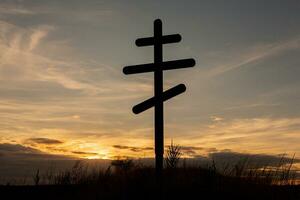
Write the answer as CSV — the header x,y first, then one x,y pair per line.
x,y
165,96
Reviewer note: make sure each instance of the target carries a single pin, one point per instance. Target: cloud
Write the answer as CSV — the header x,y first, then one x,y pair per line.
x,y
252,160
189,150
254,105
18,161
256,134
83,153
216,119
76,116
43,89
20,63
18,151
38,35
7,148
256,126
27,57
11,8
44,141
256,54
186,150
133,149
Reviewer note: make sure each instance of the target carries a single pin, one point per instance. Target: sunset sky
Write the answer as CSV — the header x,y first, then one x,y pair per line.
x,y
62,90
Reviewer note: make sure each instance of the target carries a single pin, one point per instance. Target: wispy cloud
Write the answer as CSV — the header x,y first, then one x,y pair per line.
x,y
38,35
255,105
256,54
17,45
216,119
13,8
21,59
252,134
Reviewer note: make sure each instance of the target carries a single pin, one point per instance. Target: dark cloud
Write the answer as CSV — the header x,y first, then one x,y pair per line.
x,y
20,152
17,148
44,141
52,148
18,161
210,150
120,147
252,160
194,150
85,153
190,150
134,149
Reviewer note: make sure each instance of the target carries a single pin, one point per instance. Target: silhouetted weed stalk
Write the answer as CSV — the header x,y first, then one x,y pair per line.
x,y
173,155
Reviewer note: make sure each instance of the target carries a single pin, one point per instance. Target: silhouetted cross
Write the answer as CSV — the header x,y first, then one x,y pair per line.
x,y
159,95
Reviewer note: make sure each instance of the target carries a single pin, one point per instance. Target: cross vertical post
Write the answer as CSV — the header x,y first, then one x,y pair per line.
x,y
158,91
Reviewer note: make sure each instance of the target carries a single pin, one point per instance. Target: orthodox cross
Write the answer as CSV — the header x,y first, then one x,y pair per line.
x,y
158,66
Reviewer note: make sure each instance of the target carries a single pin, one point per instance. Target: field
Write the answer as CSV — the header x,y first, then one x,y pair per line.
x,y
127,179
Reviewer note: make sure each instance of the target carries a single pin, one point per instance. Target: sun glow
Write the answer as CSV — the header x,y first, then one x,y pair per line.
x,y
95,157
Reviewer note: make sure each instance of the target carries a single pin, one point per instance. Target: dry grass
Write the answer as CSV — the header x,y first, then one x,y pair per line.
x,y
127,179
81,173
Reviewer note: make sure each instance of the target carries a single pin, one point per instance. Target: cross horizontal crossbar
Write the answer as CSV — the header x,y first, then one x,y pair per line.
x,y
151,67
166,39
170,93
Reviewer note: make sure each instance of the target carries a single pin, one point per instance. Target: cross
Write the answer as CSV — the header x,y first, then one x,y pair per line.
x,y
158,66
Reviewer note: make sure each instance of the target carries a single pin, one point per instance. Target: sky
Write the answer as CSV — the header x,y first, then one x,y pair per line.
x,y
63,92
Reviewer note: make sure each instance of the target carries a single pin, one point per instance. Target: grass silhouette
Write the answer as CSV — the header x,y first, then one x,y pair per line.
x,y
127,179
